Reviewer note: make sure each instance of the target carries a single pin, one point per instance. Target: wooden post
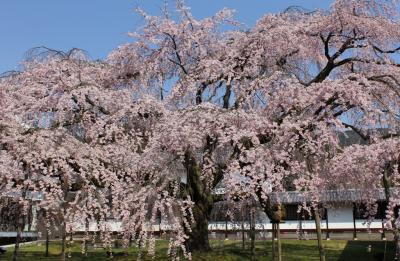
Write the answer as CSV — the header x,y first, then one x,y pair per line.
x,y
383,236
63,239
47,227
159,226
327,225
301,232
243,232
30,217
278,232
273,242
354,222
226,227
85,247
252,234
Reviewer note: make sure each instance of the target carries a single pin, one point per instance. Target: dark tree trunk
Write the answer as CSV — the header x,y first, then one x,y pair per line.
x,y
70,243
396,240
63,240
47,227
85,248
47,242
226,227
252,234
198,238
29,218
396,232
202,197
243,231
20,229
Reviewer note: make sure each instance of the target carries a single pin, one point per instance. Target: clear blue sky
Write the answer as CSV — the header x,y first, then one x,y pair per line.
x,y
98,26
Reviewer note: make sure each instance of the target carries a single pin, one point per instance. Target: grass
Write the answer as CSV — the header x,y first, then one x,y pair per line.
x,y
228,250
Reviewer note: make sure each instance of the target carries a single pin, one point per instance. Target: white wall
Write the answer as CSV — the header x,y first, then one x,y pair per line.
x,y
339,217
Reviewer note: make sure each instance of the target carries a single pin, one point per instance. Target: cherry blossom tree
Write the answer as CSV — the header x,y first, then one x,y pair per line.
x,y
49,104
79,137
280,93
190,104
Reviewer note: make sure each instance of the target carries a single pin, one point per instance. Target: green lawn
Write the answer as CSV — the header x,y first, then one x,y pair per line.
x,y
229,250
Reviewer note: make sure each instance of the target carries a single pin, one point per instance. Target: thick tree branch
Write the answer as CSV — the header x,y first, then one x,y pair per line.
x,y
365,137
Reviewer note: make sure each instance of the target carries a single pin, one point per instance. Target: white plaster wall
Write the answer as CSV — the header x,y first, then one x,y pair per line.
x,y
306,224
361,224
341,217
289,225
14,234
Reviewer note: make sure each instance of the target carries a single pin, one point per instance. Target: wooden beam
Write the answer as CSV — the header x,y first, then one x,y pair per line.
x,y
327,224
354,222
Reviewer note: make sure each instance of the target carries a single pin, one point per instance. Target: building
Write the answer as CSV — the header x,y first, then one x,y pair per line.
x,y
343,213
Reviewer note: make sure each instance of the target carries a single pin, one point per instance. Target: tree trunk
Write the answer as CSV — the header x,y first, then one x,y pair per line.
x,y
396,232
319,234
47,243
17,241
202,197
243,239
198,238
70,243
278,233
276,213
397,244
252,235
226,227
63,239
85,246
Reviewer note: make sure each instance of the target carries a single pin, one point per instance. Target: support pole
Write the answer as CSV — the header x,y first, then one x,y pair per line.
x,y
383,236
273,237
327,225
278,232
354,222
226,227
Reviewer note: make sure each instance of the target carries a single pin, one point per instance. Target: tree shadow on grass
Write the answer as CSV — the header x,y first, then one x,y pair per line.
x,y
357,250
233,251
299,252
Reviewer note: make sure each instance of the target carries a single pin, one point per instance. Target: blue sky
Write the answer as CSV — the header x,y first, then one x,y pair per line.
x,y
98,26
